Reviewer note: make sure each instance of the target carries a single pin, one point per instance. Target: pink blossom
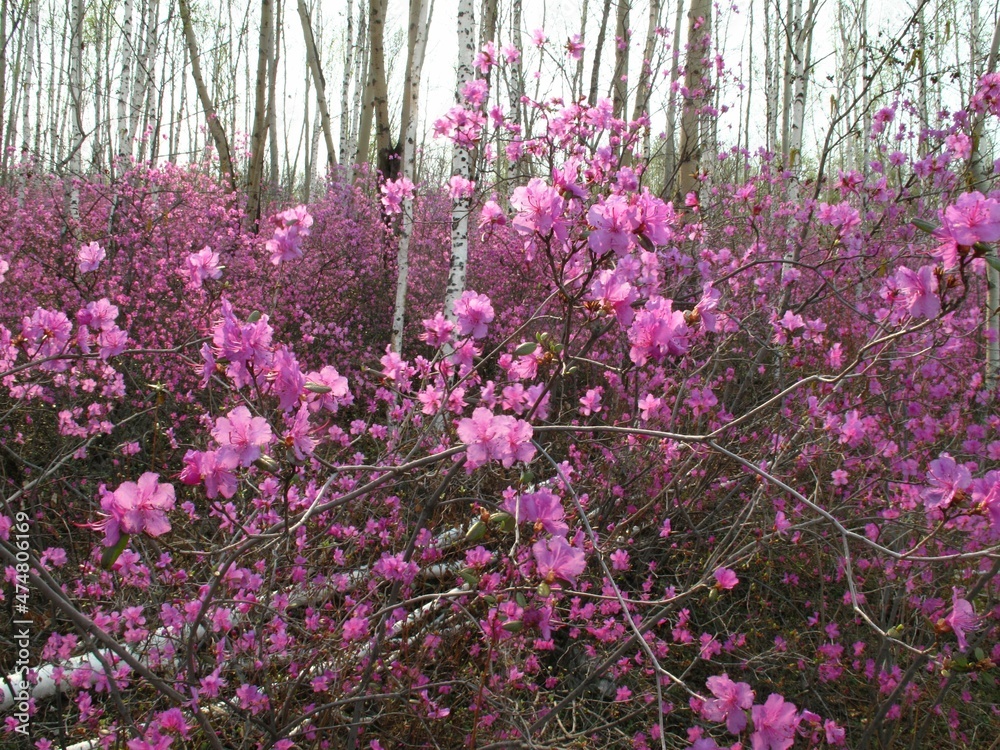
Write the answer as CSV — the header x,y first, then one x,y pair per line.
x,y
492,215
202,265
574,47
614,295
948,480
438,331
460,188
539,38
511,54
658,331
555,558
242,435
539,208
730,701
541,508
473,313
591,402
292,228
919,290
136,507
394,192
774,724
337,395
973,218
495,437
961,619
475,92
614,222
486,58
214,468
89,257
725,579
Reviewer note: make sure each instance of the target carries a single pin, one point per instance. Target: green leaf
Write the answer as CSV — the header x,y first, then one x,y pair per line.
x,y
469,577
254,316
111,554
994,262
513,626
318,388
924,225
476,532
528,347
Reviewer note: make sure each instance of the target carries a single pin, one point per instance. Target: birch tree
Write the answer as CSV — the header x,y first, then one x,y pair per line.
x,y
312,55
416,45
214,126
76,104
695,82
124,82
460,165
255,172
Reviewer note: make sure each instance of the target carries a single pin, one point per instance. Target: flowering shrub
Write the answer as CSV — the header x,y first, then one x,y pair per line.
x,y
667,471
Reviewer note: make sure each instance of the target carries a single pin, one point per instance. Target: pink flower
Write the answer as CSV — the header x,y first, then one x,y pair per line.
x,y
657,331
614,221
725,579
242,435
730,701
574,47
292,228
460,188
475,92
437,331
486,58
542,508
961,619
89,257
555,558
202,265
539,208
394,192
973,218
473,313
338,394
539,38
919,290
591,402
495,437
948,480
774,724
511,54
214,468
136,507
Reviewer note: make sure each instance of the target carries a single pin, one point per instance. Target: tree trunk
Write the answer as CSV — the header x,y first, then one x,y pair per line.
x,y
461,166
255,172
345,90
320,80
670,157
803,55
695,75
416,44
124,81
214,127
595,73
619,86
644,88
76,105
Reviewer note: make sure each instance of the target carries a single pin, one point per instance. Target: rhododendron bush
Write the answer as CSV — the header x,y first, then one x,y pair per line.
x,y
719,474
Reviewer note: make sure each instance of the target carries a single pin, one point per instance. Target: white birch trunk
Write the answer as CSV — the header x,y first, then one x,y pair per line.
x,y
418,35
461,166
128,53
76,105
317,71
345,90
